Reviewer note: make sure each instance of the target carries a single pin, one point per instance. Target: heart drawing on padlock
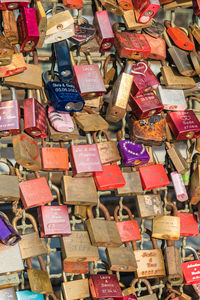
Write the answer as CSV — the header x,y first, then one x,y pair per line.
x,y
25,141
138,148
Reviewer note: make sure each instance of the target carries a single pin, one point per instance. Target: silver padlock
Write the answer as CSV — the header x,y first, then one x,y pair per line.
x,y
171,99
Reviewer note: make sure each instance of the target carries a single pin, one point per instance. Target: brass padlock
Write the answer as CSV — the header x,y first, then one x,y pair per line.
x,y
38,245
177,159
9,185
112,6
131,23
173,263
95,227
77,247
6,51
151,295
195,31
195,180
133,184
75,289
149,206
10,26
42,22
167,227
90,121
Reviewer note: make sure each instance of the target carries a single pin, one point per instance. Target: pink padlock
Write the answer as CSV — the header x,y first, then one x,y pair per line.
x,y
180,190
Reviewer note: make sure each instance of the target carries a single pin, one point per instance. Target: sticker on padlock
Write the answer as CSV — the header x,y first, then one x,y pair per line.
x,y
144,11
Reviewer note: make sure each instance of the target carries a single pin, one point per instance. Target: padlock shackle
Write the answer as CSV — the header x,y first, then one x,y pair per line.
x,y
115,27
29,217
9,164
106,63
196,256
174,209
94,135
145,281
45,76
153,240
102,208
125,208
167,24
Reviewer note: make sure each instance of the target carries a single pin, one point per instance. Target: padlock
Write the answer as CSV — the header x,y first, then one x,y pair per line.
x,y
84,32
10,116
8,234
60,121
54,221
120,95
75,267
128,229
144,79
60,26
112,6
85,160
38,245
153,177
13,4
179,37
35,192
149,206
80,211
54,158
104,32
173,80
177,159
41,21
183,124
173,263
191,269
63,60
16,66
27,29
151,295
130,45
155,30
177,4
77,196
39,279
133,184
180,58
145,105
167,227
95,227
75,289
150,131
105,286
88,79
10,259
195,31
193,54
171,99
9,185
158,47
73,4
133,154
189,224
150,263
179,187
130,21
6,51
196,7
10,26
144,11
9,280
28,295
125,4
91,121
195,181
64,96
107,150
121,259
111,178
8,293
68,132
26,152
35,123
77,247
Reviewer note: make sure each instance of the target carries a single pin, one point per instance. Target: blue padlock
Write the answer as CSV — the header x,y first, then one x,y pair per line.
x,y
64,96
28,295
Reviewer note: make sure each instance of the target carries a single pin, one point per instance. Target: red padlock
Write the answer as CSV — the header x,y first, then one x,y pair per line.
x,y
73,4
189,224
35,123
144,79
27,29
54,221
13,4
153,177
145,10
184,124
110,178
105,286
84,160
191,269
129,229
146,105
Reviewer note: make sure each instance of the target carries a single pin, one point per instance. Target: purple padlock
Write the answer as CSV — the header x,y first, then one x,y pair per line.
x,y
8,235
133,154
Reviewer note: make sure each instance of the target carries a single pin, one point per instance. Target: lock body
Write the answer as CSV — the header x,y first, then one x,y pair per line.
x,y
10,26
89,81
129,231
145,10
104,32
172,99
178,161
35,123
153,177
28,295
9,188
8,235
76,289
16,66
73,4
184,124
10,118
39,281
27,29
191,270
64,96
189,224
166,227
54,221
54,158
14,4
42,22
76,267
180,190
173,265
133,154
8,293
133,184
146,105
158,47
149,206
121,259
10,259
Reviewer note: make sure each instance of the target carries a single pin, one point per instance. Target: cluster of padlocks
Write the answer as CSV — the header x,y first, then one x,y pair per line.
x,y
92,95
